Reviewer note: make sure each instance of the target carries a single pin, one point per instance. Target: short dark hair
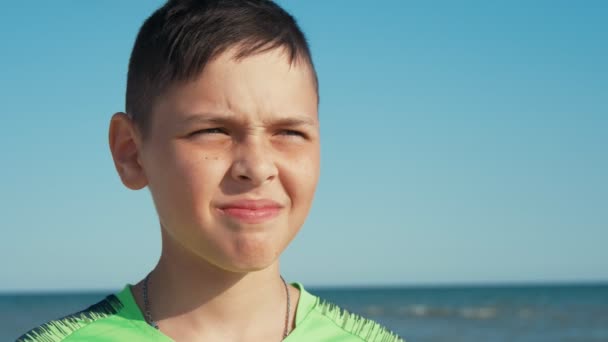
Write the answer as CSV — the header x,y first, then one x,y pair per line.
x,y
176,42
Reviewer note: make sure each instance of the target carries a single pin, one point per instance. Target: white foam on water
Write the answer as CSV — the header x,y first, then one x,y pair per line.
x,y
478,313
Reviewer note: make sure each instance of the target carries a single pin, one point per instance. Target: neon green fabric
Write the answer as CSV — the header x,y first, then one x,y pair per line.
x,y
118,318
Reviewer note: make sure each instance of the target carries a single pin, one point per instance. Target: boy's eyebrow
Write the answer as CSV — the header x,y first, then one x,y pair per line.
x,y
294,121
206,118
215,118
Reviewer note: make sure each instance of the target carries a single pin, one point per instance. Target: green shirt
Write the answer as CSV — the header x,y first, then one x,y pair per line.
x,y
118,318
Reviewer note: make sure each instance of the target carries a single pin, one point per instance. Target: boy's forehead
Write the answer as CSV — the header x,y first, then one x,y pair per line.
x,y
263,82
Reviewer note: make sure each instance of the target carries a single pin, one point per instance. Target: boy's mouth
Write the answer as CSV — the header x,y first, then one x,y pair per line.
x,y
251,211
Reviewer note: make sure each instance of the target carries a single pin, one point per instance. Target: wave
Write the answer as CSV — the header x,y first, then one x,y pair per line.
x,y
421,310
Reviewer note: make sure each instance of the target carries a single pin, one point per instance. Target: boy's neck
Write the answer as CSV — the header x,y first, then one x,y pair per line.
x,y
190,299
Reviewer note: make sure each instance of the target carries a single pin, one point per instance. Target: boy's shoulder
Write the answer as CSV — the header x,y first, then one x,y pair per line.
x,y
115,318
62,329
352,326
321,320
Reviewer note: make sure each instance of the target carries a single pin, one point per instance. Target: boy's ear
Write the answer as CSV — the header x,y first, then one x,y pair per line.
x,y
124,145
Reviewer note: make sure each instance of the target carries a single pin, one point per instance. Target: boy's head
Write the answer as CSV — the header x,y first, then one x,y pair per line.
x,y
178,40
222,127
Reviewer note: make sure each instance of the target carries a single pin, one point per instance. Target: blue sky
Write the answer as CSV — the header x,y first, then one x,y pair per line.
x,y
462,142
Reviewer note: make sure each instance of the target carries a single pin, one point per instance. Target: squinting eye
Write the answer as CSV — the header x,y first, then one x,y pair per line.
x,y
289,132
214,130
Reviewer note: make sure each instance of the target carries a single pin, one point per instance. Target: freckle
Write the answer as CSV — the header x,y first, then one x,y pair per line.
x,y
206,158
216,158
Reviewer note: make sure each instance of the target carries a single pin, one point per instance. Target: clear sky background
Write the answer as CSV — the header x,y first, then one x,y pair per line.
x,y
461,142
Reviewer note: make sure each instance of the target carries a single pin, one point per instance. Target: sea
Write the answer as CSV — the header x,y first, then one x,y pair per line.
x,y
523,313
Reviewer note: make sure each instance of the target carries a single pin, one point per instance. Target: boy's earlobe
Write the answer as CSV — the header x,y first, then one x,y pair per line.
x,y
125,151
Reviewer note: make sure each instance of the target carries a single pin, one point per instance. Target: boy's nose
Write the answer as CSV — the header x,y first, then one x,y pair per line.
x,y
253,164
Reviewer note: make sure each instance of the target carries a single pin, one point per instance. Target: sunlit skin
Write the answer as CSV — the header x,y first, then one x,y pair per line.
x,y
242,130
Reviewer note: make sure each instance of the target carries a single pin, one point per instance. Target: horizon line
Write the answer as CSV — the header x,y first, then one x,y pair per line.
x,y
371,286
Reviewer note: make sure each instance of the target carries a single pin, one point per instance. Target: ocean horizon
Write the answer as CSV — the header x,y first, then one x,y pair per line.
x,y
497,312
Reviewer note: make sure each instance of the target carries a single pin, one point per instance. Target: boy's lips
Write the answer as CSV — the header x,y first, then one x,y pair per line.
x,y
251,211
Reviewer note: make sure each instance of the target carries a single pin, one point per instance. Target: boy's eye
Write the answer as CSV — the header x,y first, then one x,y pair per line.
x,y
290,132
214,130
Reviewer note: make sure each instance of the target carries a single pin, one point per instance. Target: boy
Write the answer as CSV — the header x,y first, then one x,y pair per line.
x,y
221,125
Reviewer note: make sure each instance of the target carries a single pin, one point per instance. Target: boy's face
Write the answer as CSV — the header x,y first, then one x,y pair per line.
x,y
232,159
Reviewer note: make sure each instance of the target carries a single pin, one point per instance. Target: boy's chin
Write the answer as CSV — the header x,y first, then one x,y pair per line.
x,y
243,267
248,262
248,268
250,253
